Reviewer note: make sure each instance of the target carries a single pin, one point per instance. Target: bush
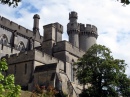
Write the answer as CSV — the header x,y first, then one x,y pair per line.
x,y
7,86
43,91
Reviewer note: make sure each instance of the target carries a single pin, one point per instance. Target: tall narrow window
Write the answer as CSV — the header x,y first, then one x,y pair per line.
x,y
25,69
72,73
2,46
14,69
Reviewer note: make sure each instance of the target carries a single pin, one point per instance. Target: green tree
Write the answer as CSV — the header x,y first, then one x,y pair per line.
x,y
125,2
13,3
102,74
7,87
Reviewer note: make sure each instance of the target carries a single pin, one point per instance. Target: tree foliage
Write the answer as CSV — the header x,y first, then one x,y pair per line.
x,y
125,2
13,3
7,87
104,75
43,91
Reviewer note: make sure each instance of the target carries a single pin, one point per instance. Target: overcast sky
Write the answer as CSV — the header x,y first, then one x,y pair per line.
x,y
111,18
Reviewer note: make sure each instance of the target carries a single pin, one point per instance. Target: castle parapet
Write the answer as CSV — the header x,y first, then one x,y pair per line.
x,y
88,28
87,36
67,46
56,25
20,57
59,27
12,26
73,14
31,56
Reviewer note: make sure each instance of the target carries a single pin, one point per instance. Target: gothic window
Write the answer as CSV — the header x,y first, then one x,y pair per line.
x,y
21,46
3,40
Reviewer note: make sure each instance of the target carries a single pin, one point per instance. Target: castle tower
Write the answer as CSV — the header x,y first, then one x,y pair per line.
x,y
52,34
73,29
87,36
36,18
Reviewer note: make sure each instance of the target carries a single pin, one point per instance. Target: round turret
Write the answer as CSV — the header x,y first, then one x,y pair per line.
x,y
73,14
36,18
87,36
73,29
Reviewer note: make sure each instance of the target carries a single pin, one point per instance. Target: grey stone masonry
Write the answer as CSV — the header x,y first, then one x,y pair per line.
x,y
73,29
66,46
52,34
47,59
87,36
36,23
12,26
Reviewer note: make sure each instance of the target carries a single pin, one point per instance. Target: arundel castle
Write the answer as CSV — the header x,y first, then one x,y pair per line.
x,y
45,60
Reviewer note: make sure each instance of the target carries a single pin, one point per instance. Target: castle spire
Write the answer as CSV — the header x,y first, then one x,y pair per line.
x,y
36,18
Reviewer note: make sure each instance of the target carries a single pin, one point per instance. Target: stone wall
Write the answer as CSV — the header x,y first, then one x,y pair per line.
x,y
44,58
88,28
22,72
45,74
7,50
10,25
20,57
66,46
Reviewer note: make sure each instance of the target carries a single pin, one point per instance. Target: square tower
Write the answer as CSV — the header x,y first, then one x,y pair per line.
x,y
52,34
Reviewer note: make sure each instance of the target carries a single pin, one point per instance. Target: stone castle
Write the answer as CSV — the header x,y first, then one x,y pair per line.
x,y
45,60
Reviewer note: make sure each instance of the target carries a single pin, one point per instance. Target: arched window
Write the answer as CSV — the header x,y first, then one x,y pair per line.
x,y
3,39
21,46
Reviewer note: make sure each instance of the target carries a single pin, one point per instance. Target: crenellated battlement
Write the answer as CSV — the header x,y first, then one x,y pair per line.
x,y
30,56
46,57
36,16
88,28
59,27
73,27
73,14
12,26
67,46
16,55
56,25
20,57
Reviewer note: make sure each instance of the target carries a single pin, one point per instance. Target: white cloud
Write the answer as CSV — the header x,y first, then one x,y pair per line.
x,y
110,17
